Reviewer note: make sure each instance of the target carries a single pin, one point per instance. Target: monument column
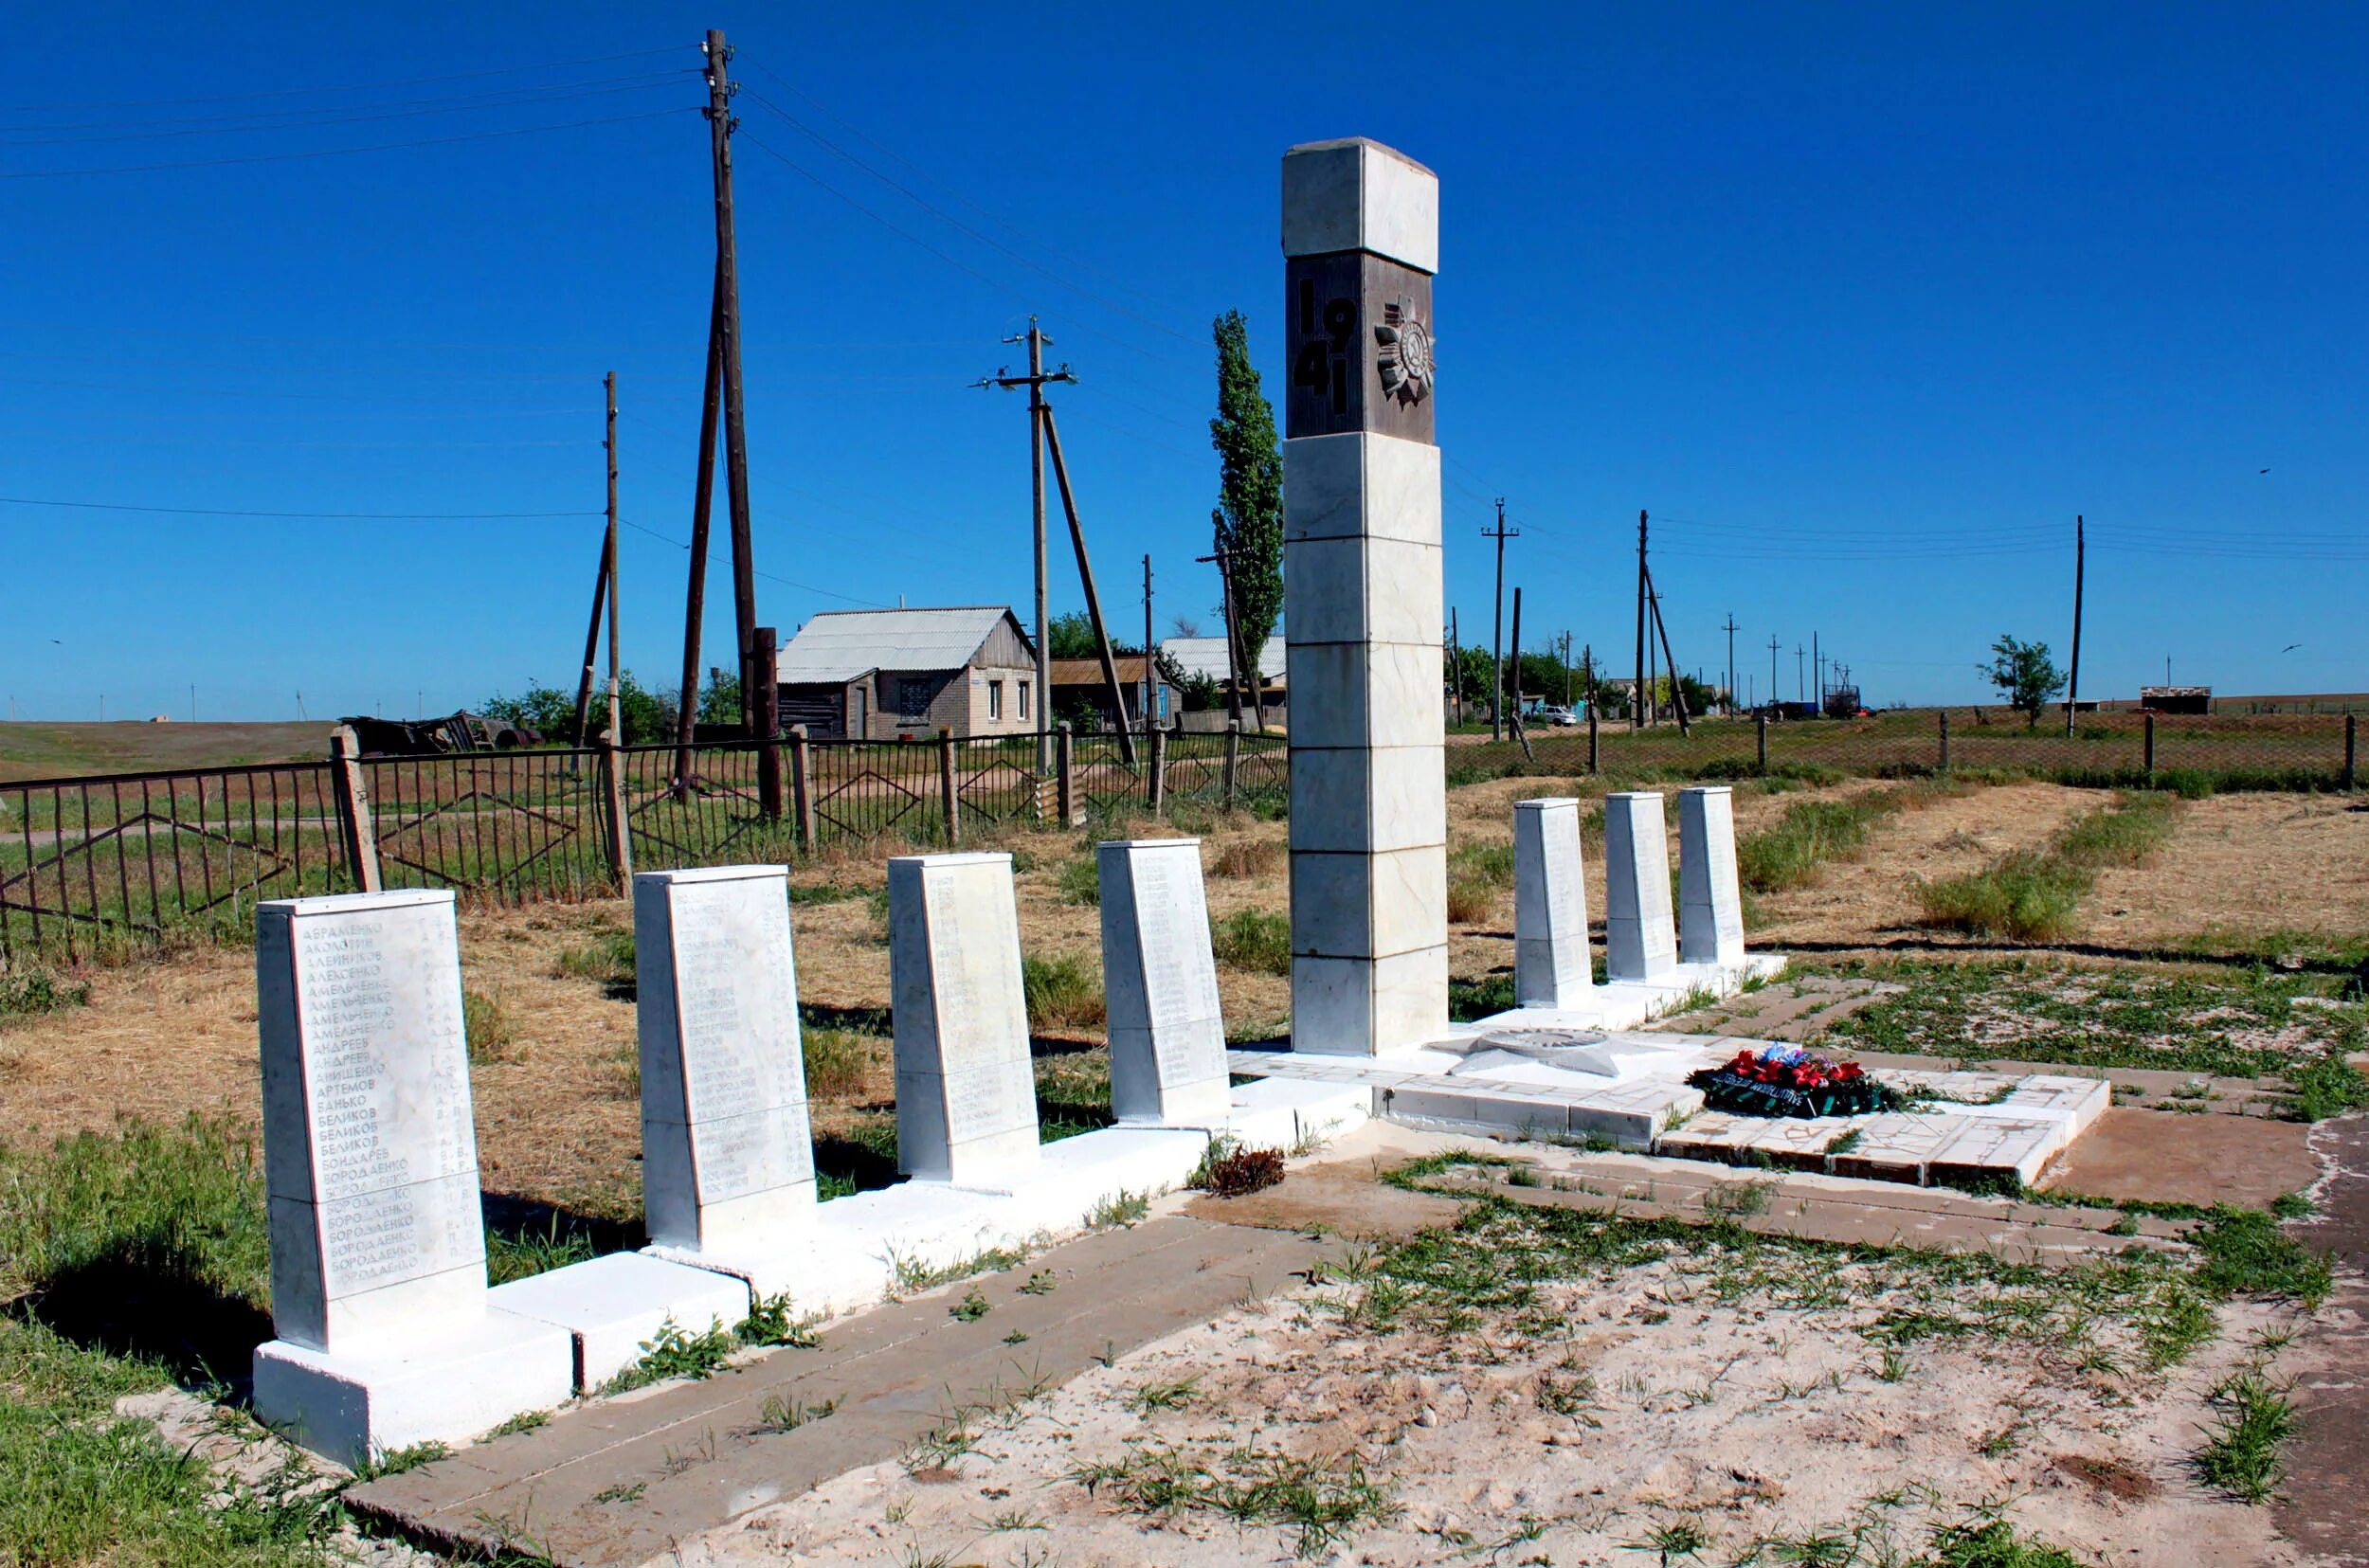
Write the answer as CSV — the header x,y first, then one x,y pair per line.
x,y
1362,602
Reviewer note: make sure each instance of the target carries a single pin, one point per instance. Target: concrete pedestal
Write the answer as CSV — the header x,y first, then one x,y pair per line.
x,y
457,1383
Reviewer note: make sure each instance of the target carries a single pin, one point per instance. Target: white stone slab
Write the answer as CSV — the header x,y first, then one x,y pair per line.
x,y
1374,800
1360,1006
369,1147
470,1377
1640,943
1078,1175
1894,1146
1711,903
613,1306
1291,1114
1710,1135
1167,1032
1550,960
728,1156
1360,485
1356,194
1997,1146
2080,1100
1798,1143
965,1088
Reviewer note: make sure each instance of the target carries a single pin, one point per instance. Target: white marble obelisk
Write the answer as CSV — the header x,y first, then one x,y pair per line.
x,y
1167,1034
1362,602
1550,964
1641,942
1711,903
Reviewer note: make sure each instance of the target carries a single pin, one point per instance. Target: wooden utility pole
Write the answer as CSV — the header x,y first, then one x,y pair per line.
x,y
1497,635
615,718
1455,665
1520,733
1151,665
1232,646
592,647
1818,667
1038,412
702,504
1567,670
1637,708
1772,670
1677,681
727,314
2073,683
1732,663
1086,571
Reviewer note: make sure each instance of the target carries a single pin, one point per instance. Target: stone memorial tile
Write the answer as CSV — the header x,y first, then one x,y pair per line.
x,y
1710,1135
1551,962
1798,1143
369,1145
1894,1146
2082,1099
1996,1147
1640,943
1710,899
965,1088
728,1156
1167,1032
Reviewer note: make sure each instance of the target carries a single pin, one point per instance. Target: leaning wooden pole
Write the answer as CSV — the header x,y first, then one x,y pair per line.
x,y
1677,683
1093,600
702,507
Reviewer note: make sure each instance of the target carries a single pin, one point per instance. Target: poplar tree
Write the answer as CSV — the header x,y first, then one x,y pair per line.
x,y
1248,519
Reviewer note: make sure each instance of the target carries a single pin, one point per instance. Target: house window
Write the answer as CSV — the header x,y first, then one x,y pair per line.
x,y
912,698
995,699
1023,702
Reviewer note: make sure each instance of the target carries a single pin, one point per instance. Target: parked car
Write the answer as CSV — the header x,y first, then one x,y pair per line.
x,y
1557,716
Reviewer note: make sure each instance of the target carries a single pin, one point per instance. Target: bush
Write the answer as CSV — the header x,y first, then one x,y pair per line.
x,y
1063,992
1228,1170
1256,940
1786,854
839,1062
24,993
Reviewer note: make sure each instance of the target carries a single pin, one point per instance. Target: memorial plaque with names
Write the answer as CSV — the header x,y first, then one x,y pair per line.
x,y
1167,1027
726,1141
1550,960
1641,938
370,1144
965,1086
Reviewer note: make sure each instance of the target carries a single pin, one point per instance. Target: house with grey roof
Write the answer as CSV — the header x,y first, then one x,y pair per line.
x,y
882,675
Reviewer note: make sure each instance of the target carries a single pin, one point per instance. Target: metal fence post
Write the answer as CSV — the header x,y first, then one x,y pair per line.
x,y
947,792
1157,790
2351,748
1234,757
2150,747
1065,776
802,785
361,839
616,831
1761,724
1594,740
1944,764
767,667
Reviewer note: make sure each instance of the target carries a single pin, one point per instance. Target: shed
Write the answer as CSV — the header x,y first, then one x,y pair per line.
x,y
1080,690
879,674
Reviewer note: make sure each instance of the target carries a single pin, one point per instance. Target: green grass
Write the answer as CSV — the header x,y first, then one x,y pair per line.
x,y
486,1024
1787,853
1322,1500
2244,1449
32,991
672,1352
2241,1023
2034,896
1082,879
607,960
1479,874
1064,991
839,1062
1255,939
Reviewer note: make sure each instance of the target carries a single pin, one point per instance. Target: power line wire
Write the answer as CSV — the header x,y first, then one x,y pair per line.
x,y
305,119
344,87
308,517
337,152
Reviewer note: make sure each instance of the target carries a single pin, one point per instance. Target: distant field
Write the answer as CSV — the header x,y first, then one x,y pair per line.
x,y
54,751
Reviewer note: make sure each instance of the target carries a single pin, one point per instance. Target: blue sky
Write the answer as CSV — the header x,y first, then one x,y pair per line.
x,y
1864,303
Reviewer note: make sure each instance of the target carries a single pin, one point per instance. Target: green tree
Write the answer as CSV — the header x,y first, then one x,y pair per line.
x,y
719,700
2026,677
1248,520
1070,636
649,718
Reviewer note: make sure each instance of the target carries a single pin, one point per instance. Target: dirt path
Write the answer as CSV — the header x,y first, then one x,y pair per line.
x,y
1870,901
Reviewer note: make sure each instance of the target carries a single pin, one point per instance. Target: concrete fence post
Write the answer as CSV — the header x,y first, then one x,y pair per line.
x,y
1761,726
1945,762
2150,762
616,827
802,785
948,794
1156,792
1234,757
361,838
1065,773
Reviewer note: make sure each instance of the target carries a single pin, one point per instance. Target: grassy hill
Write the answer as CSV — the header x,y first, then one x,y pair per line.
x,y
65,750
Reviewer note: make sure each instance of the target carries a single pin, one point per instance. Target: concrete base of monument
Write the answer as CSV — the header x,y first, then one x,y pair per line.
x,y
448,1384
1626,1004
613,1307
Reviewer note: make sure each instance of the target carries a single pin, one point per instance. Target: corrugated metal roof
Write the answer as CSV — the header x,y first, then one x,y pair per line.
x,y
840,645
1205,655
1088,671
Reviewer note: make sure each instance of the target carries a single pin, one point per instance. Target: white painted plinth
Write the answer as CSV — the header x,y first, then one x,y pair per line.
x,y
611,1306
966,1088
1167,1028
1288,1114
1641,942
467,1379
1710,900
1551,962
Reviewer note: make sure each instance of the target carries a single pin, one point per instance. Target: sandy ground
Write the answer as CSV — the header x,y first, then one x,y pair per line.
x,y
1647,1404
2241,866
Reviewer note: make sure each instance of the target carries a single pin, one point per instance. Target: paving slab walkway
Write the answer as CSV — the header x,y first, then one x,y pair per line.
x,y
2324,1504
2163,1156
620,1481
